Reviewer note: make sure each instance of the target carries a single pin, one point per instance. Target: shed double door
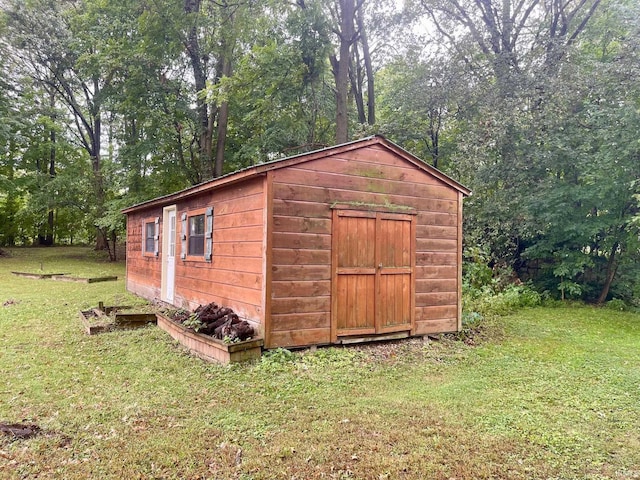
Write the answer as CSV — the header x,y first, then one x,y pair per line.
x,y
373,272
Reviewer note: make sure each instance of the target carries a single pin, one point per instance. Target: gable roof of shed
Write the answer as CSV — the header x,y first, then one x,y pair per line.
x,y
255,170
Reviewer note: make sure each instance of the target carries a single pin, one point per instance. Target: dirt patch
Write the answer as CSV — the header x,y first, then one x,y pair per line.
x,y
19,430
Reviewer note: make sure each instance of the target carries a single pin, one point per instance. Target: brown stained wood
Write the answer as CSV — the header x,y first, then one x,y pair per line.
x,y
437,245
436,259
412,285
436,326
239,264
244,294
234,206
436,299
295,208
364,183
299,338
267,259
399,158
436,285
459,276
436,272
437,232
276,243
373,272
289,256
427,314
300,321
226,277
65,278
249,234
300,305
437,219
330,195
365,168
374,149
310,241
285,289
300,272
37,276
236,249
296,224
209,348
240,219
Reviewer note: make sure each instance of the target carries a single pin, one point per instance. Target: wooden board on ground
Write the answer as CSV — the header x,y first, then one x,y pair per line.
x,y
64,278
96,320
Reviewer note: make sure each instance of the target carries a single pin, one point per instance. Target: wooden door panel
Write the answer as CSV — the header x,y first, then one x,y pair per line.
x,y
394,302
395,241
355,274
373,272
356,306
356,238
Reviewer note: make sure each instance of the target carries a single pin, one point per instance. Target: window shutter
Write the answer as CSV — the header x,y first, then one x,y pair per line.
x,y
183,237
156,238
208,234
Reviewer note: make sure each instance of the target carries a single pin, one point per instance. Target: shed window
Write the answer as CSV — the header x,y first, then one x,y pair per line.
x,y
196,235
151,236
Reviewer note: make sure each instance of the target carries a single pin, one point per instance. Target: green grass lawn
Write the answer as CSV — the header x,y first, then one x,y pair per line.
x,y
545,393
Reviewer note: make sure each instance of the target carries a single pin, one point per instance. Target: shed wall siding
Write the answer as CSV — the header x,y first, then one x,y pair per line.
x,y
143,272
301,262
234,277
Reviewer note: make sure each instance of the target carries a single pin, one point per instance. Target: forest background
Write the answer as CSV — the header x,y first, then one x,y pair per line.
x,y
533,104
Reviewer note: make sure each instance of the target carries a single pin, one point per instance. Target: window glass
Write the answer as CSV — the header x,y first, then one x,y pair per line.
x,y
196,235
149,237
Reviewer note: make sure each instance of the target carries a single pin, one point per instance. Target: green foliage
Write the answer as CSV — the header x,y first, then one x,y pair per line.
x,y
487,302
193,322
489,291
617,304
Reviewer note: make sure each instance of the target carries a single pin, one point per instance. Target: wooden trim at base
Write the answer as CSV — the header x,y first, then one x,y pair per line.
x,y
209,348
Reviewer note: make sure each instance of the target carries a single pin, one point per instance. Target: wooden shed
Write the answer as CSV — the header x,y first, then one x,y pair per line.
x,y
355,242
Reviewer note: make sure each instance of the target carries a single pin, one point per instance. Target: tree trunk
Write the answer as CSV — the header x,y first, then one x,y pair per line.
x,y
341,68
355,78
612,268
368,69
52,172
204,131
223,114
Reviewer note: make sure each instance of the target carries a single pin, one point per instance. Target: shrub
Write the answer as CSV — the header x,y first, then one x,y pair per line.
x,y
617,304
485,301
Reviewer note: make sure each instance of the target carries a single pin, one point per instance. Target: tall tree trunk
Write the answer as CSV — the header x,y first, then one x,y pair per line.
x,y
204,131
223,111
355,76
96,164
52,170
368,69
346,33
612,268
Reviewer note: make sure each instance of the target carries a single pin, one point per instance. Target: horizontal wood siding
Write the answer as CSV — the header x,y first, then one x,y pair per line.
x,y
234,277
143,271
303,195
